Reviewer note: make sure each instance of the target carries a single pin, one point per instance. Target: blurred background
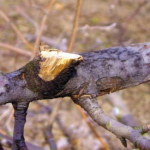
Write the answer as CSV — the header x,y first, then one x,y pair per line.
x,y
102,24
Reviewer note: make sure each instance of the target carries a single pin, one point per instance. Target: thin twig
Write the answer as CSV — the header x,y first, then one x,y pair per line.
x,y
65,131
130,18
75,26
91,127
5,113
15,49
69,134
54,43
5,17
55,112
45,17
27,17
134,13
104,28
48,130
50,139
10,117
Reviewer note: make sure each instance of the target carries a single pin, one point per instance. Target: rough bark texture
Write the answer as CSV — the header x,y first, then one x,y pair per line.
x,y
112,69
100,72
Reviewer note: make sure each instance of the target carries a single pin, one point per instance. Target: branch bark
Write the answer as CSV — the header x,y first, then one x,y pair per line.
x,y
134,135
53,74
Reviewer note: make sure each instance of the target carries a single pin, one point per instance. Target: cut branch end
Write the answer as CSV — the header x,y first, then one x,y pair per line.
x,y
54,61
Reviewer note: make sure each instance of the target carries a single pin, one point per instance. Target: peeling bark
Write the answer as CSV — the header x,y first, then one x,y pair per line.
x,y
100,72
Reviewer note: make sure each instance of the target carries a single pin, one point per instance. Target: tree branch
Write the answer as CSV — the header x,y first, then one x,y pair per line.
x,y
75,26
132,134
55,74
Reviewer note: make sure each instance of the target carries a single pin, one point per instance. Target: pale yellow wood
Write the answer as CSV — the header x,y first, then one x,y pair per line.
x,y
54,61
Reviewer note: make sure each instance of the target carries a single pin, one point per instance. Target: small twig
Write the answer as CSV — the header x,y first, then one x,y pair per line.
x,y
131,17
6,140
55,112
10,117
61,125
5,17
45,17
15,49
62,45
75,26
105,28
5,113
50,139
48,130
91,127
27,17
134,13
68,133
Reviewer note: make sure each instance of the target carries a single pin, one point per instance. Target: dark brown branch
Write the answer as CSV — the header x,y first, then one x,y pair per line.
x,y
55,74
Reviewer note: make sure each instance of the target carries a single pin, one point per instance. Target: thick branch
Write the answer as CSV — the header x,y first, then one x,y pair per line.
x,y
100,73
55,74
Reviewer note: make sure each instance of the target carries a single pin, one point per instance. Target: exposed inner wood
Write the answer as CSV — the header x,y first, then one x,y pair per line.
x,y
54,61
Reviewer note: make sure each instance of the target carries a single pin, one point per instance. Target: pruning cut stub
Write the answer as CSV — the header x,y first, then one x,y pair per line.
x,y
54,61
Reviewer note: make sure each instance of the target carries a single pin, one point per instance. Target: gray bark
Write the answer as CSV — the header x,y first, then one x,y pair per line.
x,y
100,72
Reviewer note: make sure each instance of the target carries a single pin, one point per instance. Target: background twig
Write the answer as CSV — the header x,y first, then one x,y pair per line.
x,y
75,26
45,17
5,17
15,49
48,129
91,127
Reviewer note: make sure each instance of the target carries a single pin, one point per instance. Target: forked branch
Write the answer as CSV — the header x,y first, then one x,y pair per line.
x,y
121,131
84,77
